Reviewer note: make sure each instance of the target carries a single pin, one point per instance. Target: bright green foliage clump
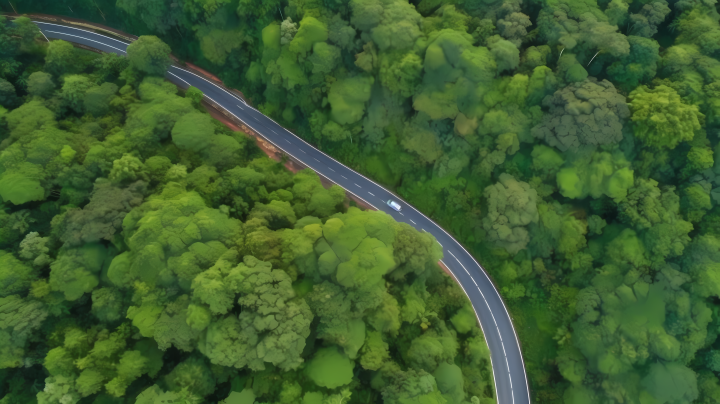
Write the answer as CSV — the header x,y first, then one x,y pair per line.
x,y
330,368
451,64
602,174
149,55
59,58
464,320
22,184
392,24
661,118
311,31
576,73
158,245
127,169
258,338
193,131
658,211
28,117
348,97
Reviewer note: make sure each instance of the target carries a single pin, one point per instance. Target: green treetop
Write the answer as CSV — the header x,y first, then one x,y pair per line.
x,y
59,58
330,368
661,118
512,205
149,55
391,23
153,240
347,98
602,174
272,328
584,113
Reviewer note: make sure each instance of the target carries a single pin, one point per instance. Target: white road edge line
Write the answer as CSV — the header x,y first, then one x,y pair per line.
x,y
65,26
91,40
181,79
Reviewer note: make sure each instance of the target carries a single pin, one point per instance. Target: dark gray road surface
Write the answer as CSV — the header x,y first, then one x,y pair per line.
x,y
507,363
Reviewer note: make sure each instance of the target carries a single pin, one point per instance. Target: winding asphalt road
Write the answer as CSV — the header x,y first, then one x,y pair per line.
x,y
508,367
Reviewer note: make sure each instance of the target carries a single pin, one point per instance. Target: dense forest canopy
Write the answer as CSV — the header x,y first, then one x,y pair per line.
x,y
149,254
571,145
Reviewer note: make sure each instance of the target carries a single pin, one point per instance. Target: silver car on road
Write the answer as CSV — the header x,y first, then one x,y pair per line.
x,y
394,205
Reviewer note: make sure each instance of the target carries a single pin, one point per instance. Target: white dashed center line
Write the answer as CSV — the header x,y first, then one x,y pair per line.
x,y
344,176
331,169
302,150
413,221
371,193
242,108
358,186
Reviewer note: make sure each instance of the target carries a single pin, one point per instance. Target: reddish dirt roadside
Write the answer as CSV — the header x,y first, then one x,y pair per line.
x,y
445,269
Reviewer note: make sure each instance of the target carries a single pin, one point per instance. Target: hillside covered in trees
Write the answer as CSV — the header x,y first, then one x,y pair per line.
x,y
571,145
148,255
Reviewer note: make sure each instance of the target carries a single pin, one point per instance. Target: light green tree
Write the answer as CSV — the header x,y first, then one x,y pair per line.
x,y
661,118
149,55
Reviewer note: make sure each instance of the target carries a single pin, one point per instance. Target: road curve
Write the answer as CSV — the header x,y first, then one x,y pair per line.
x,y
507,364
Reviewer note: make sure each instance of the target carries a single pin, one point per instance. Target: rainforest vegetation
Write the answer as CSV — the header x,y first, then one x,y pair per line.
x,y
571,145
148,254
